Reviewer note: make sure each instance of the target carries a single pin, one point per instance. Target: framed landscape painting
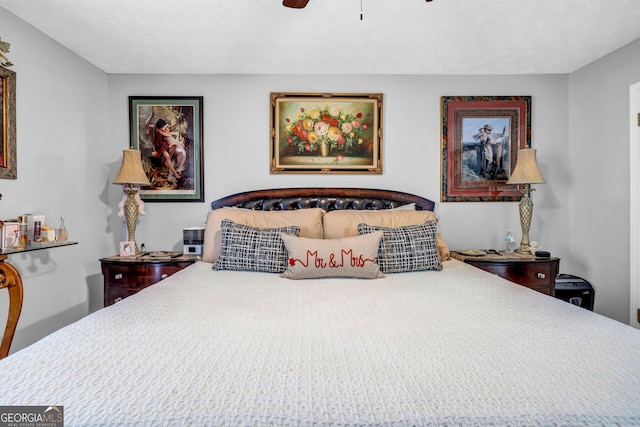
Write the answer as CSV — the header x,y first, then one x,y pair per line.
x,y
481,136
326,133
168,132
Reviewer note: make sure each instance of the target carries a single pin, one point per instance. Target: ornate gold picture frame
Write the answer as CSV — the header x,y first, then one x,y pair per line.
x,y
8,158
326,133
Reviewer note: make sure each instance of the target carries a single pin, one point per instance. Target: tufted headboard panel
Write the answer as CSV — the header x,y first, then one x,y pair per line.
x,y
326,198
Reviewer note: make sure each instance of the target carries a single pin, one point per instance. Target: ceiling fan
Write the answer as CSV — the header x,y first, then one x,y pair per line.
x,y
295,4
299,4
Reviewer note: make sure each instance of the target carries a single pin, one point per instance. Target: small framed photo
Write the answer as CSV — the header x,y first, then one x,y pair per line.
x,y
127,248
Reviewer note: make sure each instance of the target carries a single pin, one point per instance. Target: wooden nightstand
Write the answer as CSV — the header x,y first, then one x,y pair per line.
x,y
535,273
124,276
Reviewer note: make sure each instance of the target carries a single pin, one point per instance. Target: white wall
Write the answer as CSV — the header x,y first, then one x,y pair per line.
x,y
61,138
600,176
236,148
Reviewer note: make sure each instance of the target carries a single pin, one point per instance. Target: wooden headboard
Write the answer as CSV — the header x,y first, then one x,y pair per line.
x,y
326,198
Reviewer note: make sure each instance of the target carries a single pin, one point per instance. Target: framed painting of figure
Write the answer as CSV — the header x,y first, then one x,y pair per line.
x,y
481,136
168,132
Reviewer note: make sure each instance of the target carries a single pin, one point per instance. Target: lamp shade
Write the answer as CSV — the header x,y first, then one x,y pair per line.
x,y
526,170
131,171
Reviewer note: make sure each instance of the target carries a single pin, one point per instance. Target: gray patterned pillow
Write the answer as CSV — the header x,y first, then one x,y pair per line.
x,y
245,247
406,248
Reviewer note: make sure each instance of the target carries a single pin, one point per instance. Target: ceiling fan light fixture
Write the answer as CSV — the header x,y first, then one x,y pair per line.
x,y
300,4
295,4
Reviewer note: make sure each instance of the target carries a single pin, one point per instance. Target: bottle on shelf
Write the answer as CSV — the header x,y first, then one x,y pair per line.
x,y
509,242
18,243
23,231
63,234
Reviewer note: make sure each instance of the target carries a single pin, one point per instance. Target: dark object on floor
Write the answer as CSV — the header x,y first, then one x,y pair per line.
x,y
575,290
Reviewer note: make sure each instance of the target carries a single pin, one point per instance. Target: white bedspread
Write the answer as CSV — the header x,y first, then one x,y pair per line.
x,y
457,347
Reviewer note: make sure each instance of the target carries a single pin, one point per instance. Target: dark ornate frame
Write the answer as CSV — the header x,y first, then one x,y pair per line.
x,y
192,189
457,183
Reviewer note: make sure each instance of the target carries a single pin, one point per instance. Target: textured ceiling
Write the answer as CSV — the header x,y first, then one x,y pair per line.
x,y
328,37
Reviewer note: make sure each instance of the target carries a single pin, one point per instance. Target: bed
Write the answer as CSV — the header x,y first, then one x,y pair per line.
x,y
445,345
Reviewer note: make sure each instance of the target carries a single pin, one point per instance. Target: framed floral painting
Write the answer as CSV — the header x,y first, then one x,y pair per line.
x,y
481,136
326,133
168,132
8,149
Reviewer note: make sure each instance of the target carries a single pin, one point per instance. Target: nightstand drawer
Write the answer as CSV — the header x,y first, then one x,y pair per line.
x,y
141,276
530,275
535,273
126,276
117,294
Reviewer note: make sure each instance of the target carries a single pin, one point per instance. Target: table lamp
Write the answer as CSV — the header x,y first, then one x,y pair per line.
x,y
526,172
131,175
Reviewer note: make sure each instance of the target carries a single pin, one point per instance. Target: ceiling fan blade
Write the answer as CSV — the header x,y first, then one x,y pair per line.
x,y
296,4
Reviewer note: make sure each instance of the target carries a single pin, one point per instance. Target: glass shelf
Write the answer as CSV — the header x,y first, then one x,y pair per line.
x,y
36,246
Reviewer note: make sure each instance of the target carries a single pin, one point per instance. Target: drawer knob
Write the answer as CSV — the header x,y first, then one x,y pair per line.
x,y
118,276
164,276
541,275
117,299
